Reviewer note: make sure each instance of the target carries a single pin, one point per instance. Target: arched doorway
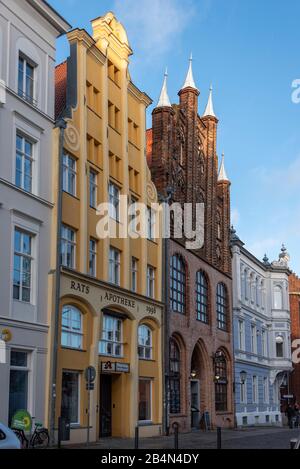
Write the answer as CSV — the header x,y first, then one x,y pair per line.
x,y
199,385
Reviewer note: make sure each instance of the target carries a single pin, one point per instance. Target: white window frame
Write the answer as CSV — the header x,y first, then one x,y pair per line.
x,y
114,343
114,266
142,348
23,255
114,193
25,157
151,281
241,329
69,171
66,242
70,331
244,397
255,389
134,274
22,91
266,392
253,339
151,223
78,373
93,188
145,422
93,254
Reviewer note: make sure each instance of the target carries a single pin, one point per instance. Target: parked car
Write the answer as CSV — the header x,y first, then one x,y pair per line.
x,y
8,440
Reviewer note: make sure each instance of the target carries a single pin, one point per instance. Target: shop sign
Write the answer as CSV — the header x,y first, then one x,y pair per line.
x,y
112,367
22,421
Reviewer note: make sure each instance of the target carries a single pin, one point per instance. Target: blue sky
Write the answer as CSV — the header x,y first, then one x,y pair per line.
x,y
249,50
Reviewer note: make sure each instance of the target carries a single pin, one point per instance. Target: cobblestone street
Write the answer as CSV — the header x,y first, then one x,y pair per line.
x,y
252,438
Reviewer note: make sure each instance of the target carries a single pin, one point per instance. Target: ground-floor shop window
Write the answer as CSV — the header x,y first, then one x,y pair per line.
x,y
18,382
221,382
145,391
70,396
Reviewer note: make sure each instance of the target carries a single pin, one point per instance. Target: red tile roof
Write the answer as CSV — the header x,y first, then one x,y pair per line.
x,y
60,88
149,143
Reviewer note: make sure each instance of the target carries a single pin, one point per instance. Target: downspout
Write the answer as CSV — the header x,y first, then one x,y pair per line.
x,y
62,125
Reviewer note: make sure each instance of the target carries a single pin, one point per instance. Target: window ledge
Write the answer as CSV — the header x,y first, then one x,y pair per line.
x,y
63,347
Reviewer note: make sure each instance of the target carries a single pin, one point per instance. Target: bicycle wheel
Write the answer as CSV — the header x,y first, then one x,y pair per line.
x,y
22,438
40,439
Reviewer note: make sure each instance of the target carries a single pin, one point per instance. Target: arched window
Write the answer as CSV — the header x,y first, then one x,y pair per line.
x,y
174,381
221,382
222,307
145,342
177,285
278,297
71,334
202,297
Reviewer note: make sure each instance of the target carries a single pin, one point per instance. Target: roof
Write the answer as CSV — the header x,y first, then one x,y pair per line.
x,y
60,88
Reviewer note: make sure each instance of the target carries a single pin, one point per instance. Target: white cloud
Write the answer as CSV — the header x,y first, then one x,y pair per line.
x,y
286,177
265,246
235,217
153,25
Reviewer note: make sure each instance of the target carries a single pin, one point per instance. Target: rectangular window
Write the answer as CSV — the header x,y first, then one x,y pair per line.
x,y
150,282
93,258
145,410
68,247
93,189
70,399
241,335
111,341
151,219
114,266
24,162
18,382
22,279
253,339
264,343
26,72
255,389
114,201
72,331
244,392
134,274
266,390
69,174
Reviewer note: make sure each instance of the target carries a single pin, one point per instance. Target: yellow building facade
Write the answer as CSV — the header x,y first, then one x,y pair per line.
x,y
110,313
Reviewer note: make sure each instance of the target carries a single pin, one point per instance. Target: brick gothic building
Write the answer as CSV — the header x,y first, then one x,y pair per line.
x,y
294,288
182,154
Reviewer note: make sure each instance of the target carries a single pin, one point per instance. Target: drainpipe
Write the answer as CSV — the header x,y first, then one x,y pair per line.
x,y
62,125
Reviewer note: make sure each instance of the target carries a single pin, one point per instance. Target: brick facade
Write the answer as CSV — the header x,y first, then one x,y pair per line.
x,y
182,154
294,288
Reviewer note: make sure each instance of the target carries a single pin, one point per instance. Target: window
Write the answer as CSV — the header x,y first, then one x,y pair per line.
x,y
202,297
24,163
68,247
134,274
71,334
255,389
93,258
243,391
241,326
253,339
70,399
111,341
279,347
145,400
23,260
221,382
151,224
266,389
93,188
18,382
145,343
278,297
26,73
150,282
69,174
114,202
174,380
222,307
177,285
114,266
264,343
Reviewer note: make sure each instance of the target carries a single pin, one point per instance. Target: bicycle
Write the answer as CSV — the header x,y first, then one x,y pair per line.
x,y
40,437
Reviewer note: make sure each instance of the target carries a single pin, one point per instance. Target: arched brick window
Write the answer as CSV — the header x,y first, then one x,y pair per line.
x,y
177,284
202,297
221,382
222,307
174,381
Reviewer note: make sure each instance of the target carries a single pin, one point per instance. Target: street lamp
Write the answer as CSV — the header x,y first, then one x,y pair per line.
x,y
193,374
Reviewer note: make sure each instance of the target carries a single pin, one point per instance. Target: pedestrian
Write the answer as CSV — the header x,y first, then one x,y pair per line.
x,y
290,413
297,415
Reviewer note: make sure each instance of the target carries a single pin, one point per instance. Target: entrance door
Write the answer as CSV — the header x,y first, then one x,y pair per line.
x,y
195,403
105,406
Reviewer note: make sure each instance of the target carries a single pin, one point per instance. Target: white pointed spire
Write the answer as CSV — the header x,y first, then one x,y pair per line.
x,y
209,111
222,173
189,81
164,100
